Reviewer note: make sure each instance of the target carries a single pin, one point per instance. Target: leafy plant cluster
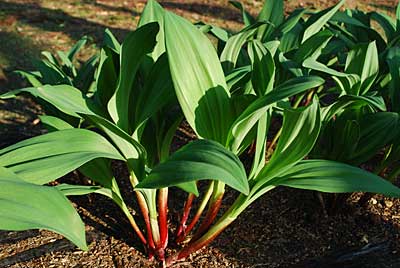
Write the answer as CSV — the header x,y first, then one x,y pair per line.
x,y
327,78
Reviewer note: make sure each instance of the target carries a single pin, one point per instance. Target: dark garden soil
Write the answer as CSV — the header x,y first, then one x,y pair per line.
x,y
286,228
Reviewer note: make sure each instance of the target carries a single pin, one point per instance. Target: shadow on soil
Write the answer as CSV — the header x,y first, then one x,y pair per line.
x,y
110,8
58,245
287,228
18,52
385,7
210,10
58,21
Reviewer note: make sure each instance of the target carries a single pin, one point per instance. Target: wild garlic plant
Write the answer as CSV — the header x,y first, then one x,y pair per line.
x,y
166,69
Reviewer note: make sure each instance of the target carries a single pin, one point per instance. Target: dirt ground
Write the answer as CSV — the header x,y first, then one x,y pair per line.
x,y
286,228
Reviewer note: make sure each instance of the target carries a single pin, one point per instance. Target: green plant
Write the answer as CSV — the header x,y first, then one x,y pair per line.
x,y
132,113
203,86
63,68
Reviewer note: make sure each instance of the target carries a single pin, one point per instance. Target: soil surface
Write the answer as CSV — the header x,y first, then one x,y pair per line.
x,y
285,228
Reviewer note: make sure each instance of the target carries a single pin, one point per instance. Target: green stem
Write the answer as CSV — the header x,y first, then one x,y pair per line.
x,y
213,208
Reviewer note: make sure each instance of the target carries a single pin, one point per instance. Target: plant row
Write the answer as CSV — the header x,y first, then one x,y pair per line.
x,y
327,79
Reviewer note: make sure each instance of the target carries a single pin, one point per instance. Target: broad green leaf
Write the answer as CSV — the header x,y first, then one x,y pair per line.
x,y
158,91
377,131
65,98
261,144
71,101
313,46
53,123
31,77
71,190
363,61
233,46
129,148
51,74
107,77
111,42
247,18
393,60
299,133
25,206
199,160
48,157
290,66
168,137
349,138
76,48
133,50
99,170
313,64
334,177
271,11
219,33
263,74
398,13
374,102
238,77
387,24
272,46
50,57
66,64
249,117
153,12
317,21
85,76
344,17
198,79
292,39
289,23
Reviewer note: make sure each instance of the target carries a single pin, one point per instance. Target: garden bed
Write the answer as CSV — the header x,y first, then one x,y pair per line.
x,y
287,228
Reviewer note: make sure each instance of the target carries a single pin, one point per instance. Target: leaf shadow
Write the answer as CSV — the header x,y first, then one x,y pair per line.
x,y
213,115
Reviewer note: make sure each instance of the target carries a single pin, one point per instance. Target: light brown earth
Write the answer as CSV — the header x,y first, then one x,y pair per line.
x,y
286,228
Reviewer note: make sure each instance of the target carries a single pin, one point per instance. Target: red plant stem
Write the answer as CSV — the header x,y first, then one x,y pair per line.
x,y
185,215
145,212
202,241
210,216
199,211
163,222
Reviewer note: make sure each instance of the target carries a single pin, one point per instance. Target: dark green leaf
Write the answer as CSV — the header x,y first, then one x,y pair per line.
x,y
134,48
48,157
26,206
333,177
198,79
199,160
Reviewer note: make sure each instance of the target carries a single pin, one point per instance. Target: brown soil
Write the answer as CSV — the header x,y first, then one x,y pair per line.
x,y
286,228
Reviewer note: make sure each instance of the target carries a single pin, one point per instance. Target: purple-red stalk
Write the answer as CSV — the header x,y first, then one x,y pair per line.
x,y
212,213
195,245
185,216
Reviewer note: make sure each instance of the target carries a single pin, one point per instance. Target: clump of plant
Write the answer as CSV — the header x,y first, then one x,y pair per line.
x,y
64,68
166,69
